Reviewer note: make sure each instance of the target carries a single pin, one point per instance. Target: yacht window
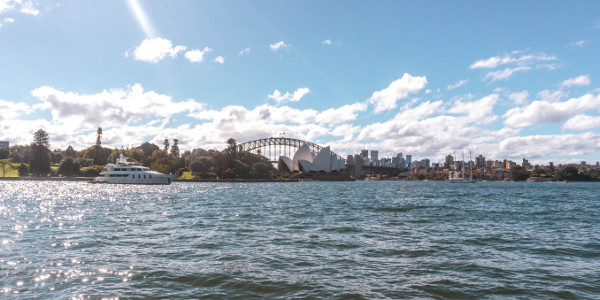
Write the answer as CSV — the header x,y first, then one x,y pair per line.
x,y
150,176
139,176
144,176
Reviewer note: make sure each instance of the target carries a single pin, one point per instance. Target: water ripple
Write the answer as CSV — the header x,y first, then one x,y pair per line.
x,y
351,240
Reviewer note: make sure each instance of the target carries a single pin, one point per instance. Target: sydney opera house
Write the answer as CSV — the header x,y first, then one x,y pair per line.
x,y
305,161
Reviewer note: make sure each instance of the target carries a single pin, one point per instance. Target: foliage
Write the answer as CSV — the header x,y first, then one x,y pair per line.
x,y
70,152
99,137
20,153
175,148
92,171
519,173
23,170
161,161
571,173
98,154
39,165
68,167
147,149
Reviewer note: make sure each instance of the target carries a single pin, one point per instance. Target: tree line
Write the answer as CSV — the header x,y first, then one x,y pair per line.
x,y
36,159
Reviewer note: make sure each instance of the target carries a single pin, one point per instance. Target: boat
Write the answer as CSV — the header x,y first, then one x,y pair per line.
x,y
125,172
459,176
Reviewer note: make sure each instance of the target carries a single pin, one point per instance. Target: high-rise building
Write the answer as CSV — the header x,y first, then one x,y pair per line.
x,y
4,144
408,161
375,155
449,161
480,161
364,153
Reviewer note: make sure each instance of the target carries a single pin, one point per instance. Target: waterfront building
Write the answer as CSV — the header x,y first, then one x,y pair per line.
x,y
4,144
449,161
375,156
408,161
480,161
305,162
526,163
364,154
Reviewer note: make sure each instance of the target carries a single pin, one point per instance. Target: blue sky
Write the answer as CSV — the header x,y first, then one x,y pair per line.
x,y
507,79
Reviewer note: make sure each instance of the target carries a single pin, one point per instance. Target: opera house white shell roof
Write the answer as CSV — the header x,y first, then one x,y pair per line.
x,y
304,161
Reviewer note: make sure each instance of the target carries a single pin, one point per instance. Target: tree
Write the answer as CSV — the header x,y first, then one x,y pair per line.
x,y
68,167
166,145
99,137
175,148
519,173
22,169
40,160
148,148
70,152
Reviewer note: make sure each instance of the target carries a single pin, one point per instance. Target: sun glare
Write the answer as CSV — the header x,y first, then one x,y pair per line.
x,y
141,17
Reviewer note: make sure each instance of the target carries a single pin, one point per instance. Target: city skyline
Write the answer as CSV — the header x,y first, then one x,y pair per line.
x,y
505,80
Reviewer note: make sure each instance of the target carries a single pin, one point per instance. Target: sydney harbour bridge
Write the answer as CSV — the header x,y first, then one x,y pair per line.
x,y
274,147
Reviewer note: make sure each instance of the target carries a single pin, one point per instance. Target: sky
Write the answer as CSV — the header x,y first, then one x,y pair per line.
x,y
504,79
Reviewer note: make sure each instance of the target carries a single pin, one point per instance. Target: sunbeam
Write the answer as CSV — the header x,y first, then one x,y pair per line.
x,y
142,19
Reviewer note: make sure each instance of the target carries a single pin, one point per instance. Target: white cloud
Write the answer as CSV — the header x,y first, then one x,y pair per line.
x,y
154,50
504,74
326,42
580,43
458,84
552,96
582,122
549,112
12,110
9,20
196,55
278,46
28,8
582,80
519,98
220,59
287,97
116,107
399,89
341,114
536,146
244,52
497,61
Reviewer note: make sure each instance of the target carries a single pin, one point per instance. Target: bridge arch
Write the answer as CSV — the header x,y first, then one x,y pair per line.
x,y
274,147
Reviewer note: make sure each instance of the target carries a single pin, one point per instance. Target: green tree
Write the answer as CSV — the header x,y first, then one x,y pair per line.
x,y
519,173
166,145
22,170
175,148
68,167
147,149
39,164
70,152
99,137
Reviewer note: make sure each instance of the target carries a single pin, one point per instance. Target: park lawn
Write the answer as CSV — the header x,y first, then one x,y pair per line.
x,y
11,170
186,175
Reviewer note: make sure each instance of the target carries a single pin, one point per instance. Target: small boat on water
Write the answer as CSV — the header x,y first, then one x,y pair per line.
x,y
125,172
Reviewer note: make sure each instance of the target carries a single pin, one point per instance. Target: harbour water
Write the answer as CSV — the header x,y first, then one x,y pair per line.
x,y
328,240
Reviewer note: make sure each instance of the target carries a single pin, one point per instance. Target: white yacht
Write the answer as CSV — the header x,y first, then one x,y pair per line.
x,y
130,173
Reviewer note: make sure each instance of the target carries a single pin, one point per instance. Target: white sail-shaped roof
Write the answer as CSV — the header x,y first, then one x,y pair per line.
x,y
286,164
305,166
333,163
322,161
304,153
